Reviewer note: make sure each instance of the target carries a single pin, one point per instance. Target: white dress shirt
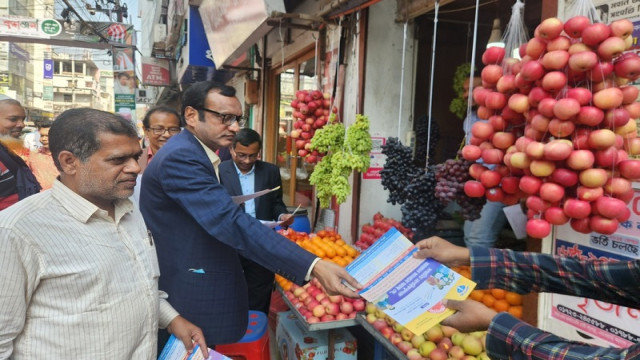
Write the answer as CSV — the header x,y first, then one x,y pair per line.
x,y
76,283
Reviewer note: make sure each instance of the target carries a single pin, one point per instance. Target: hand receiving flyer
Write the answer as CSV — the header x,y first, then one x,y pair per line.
x,y
407,289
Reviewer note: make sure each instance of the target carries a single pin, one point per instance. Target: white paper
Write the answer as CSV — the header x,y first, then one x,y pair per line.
x,y
517,219
239,199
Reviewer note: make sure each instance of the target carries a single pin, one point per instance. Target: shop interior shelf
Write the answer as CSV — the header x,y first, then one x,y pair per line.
x,y
360,319
326,325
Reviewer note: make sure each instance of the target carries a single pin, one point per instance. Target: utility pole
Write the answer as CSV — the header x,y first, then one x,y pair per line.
x,y
121,11
118,10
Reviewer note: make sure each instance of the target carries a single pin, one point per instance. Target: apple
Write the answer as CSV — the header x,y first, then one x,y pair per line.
x,y
617,186
629,94
580,159
608,98
394,339
630,169
359,305
594,34
601,139
495,101
582,95
502,140
482,130
554,81
540,123
529,184
370,308
434,334
497,122
624,216
555,60
536,204
385,331
456,352
319,310
538,228
493,55
609,207
593,177
417,340
607,157
474,189
566,108
519,102
628,66
492,156
346,307
589,194
551,192
490,178
447,331
537,94
413,354
492,73
475,170
564,177
506,84
557,149
633,109
561,128
611,48
621,28
576,209
600,72
438,354
407,335
405,346
590,116
509,184
542,168
603,225
520,160
535,48
472,345
574,26
581,225
632,146
532,70
555,216
583,61
549,29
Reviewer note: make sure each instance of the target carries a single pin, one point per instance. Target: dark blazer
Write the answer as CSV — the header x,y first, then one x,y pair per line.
x,y
267,176
199,232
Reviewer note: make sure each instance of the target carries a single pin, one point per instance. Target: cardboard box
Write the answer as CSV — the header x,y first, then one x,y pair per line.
x,y
295,343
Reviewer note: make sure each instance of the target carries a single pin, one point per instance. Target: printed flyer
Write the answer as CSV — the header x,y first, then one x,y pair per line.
x,y
175,350
409,290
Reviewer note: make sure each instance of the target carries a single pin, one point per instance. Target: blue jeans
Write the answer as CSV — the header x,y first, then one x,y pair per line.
x,y
484,231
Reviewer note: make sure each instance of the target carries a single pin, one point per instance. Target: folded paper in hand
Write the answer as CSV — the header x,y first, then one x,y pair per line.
x,y
175,350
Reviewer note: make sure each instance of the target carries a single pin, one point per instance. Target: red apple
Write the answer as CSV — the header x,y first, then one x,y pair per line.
x,y
621,28
601,139
551,192
557,150
555,60
502,140
491,74
529,184
495,100
560,43
609,207
566,108
611,48
606,158
590,116
628,66
509,184
490,178
576,209
560,128
538,228
546,105
595,33
520,160
580,159
535,48
493,55
600,72
574,26
506,84
475,170
482,130
497,122
554,81
519,102
581,225
630,169
629,94
617,186
550,29
555,216
471,152
537,94
532,70
603,225
633,109
632,146
542,168
589,194
474,189
583,61
492,156
540,123
583,95
564,177
535,150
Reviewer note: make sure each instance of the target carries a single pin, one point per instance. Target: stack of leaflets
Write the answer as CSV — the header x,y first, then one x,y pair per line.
x,y
407,289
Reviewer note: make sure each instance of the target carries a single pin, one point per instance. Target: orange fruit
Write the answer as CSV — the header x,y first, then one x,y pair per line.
x,y
488,300
340,242
516,311
322,233
498,293
513,298
340,251
465,272
477,295
501,305
351,251
330,251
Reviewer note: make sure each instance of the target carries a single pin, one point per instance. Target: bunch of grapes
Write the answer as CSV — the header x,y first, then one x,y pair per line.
x,y
398,171
451,176
421,209
422,133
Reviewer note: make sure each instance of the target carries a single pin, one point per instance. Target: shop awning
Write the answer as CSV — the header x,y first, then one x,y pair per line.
x,y
232,26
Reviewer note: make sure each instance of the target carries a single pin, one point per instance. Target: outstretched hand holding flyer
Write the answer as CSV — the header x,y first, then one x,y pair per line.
x,y
407,289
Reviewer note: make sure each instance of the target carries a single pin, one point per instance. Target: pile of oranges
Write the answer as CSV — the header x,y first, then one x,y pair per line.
x,y
497,299
325,244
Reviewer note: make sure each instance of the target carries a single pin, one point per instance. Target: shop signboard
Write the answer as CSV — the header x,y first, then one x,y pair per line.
x,y
47,93
232,26
19,52
377,159
23,27
155,72
5,79
48,68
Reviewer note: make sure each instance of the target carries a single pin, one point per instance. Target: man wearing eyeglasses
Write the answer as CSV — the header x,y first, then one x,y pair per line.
x,y
244,175
160,123
200,233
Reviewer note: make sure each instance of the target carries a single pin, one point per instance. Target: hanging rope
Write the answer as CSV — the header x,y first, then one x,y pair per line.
x,y
467,124
433,63
404,45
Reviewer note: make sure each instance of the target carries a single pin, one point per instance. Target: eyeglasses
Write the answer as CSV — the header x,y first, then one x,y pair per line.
x,y
228,119
160,131
242,156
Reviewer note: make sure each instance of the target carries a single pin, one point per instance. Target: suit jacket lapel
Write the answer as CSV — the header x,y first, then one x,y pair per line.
x,y
259,183
232,176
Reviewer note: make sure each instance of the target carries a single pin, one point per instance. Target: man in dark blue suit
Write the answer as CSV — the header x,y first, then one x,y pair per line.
x,y
200,232
244,175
